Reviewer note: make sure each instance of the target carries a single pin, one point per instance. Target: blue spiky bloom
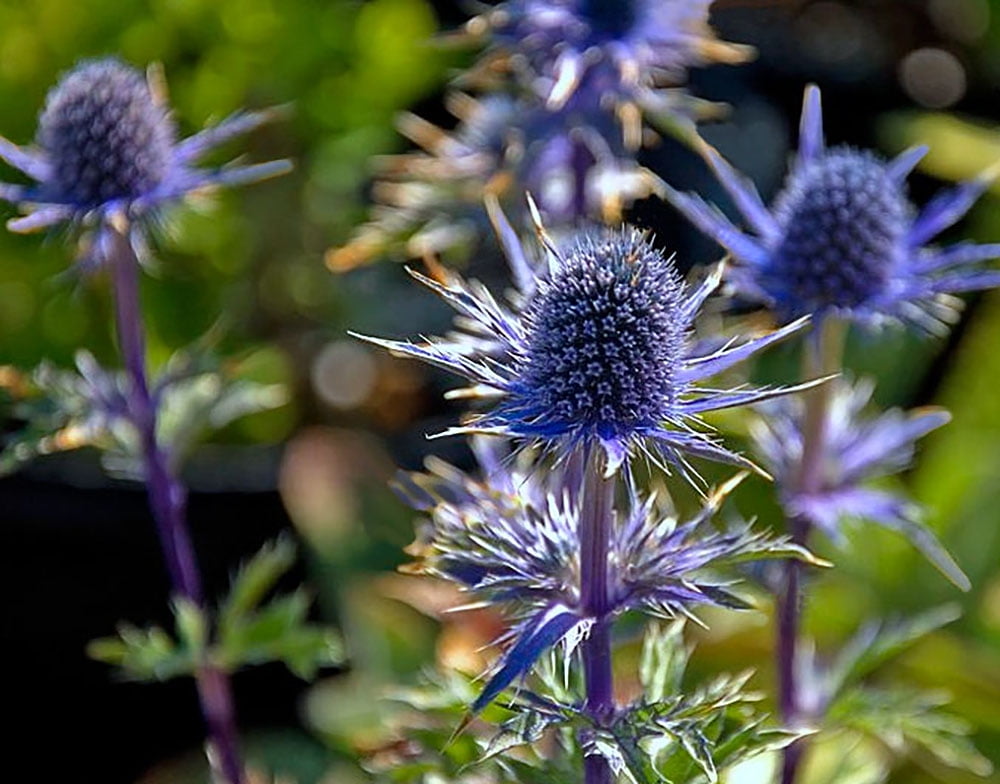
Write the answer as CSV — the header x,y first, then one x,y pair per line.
x,y
843,239
106,146
859,447
630,53
430,201
600,355
511,538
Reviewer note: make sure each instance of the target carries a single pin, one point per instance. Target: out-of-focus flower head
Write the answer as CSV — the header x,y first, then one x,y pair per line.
x,y
630,56
107,148
859,448
600,356
512,539
429,202
842,237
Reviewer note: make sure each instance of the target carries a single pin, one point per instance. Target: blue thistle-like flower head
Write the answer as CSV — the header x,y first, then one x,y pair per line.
x,y
512,539
859,447
431,200
106,146
625,52
105,135
605,341
600,355
843,238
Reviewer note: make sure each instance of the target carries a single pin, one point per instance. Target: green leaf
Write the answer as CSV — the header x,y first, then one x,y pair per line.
x,y
254,580
907,720
144,654
249,632
878,642
664,659
68,409
687,734
524,728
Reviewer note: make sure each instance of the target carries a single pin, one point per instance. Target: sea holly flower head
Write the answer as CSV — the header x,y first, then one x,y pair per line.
x,y
843,239
107,147
626,53
512,539
859,447
600,355
430,201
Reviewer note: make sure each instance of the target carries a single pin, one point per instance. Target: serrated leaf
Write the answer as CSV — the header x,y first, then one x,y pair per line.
x,y
664,660
254,580
525,727
65,409
905,719
877,642
251,633
144,654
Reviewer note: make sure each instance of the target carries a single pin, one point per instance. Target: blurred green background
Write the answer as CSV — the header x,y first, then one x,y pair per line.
x,y
894,72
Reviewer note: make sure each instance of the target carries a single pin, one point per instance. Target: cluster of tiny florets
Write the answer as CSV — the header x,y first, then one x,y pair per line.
x,y
105,135
605,337
844,222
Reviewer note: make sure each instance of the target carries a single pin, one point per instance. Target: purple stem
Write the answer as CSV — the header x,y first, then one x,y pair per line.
x,y
167,500
582,164
595,540
824,356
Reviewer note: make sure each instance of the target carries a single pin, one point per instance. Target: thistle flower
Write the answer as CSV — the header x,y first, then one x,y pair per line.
x,y
857,449
842,238
601,355
431,200
107,146
624,53
512,539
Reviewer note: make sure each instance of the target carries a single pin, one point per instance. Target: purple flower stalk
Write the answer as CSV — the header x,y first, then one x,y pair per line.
x,y
842,238
107,161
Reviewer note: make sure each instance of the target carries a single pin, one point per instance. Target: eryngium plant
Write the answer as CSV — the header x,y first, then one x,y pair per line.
x,y
564,95
527,538
843,243
107,161
594,367
842,238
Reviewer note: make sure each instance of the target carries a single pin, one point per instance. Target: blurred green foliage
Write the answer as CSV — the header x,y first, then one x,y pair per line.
x,y
343,68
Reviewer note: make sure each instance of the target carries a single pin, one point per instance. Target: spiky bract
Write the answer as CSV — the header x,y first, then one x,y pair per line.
x,y
858,447
630,54
512,538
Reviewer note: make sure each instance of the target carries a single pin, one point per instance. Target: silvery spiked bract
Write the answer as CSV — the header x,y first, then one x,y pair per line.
x,y
107,146
843,239
859,447
512,538
600,355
